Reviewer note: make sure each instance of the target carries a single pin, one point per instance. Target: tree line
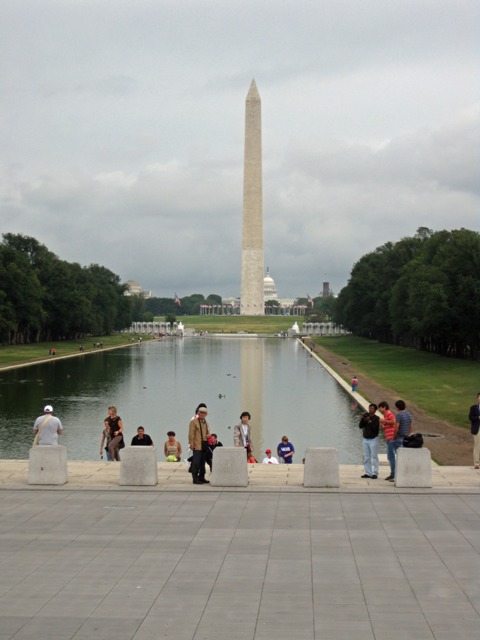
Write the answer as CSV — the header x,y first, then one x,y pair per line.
x,y
186,306
421,292
43,298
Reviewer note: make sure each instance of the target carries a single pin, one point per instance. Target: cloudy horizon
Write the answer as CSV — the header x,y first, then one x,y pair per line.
x,y
123,130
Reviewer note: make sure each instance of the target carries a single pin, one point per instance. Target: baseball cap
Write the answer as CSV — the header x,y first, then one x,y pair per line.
x,y
268,451
48,408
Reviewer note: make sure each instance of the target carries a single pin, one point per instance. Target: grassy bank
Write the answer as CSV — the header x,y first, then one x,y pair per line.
x,y
442,387
234,324
17,354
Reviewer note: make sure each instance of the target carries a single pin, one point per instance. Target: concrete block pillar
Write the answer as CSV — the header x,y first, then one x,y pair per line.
x,y
138,467
229,467
47,464
413,468
321,468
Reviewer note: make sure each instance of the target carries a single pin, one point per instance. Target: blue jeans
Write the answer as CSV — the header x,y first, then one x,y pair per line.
x,y
370,456
392,447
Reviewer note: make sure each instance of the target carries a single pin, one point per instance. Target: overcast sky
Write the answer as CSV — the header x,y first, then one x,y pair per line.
x,y
122,132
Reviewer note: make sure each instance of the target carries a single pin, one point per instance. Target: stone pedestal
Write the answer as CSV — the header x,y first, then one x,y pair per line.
x,y
138,467
321,468
47,464
229,467
413,468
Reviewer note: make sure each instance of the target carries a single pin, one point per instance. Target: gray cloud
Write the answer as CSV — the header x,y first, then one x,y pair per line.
x,y
122,132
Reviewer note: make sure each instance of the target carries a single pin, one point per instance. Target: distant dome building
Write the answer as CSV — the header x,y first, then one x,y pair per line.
x,y
135,289
269,288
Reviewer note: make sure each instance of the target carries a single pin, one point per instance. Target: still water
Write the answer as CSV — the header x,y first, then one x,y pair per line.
x,y
159,384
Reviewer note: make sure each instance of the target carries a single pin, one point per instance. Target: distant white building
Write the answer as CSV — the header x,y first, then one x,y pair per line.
x,y
286,305
134,289
269,288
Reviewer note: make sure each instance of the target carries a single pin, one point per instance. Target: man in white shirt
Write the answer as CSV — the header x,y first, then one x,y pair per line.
x,y
269,458
48,426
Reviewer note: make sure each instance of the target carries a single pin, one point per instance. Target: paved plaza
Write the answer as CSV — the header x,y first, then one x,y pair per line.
x,y
98,474
367,561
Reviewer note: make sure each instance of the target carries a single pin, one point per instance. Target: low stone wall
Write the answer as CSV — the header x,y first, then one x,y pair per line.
x,y
138,467
47,464
321,468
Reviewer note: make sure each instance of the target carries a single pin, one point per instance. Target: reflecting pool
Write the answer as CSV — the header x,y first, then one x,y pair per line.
x,y
159,384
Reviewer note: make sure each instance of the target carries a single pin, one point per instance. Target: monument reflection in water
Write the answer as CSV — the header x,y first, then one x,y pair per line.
x,y
159,384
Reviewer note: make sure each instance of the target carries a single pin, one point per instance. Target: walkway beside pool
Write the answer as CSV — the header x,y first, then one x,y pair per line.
x,y
175,477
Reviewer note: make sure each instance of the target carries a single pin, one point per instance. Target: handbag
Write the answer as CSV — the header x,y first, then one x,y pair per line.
x,y
413,441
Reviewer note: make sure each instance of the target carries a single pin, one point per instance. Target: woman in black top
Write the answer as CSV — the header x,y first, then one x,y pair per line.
x,y
116,433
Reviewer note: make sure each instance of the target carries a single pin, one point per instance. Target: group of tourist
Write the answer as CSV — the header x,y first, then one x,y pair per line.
x,y
242,438
113,439
202,443
395,428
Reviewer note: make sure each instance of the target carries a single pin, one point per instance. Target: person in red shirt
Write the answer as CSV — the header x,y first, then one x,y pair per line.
x,y
389,426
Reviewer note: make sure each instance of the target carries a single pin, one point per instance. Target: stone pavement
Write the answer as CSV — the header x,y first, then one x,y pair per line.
x,y
175,477
91,560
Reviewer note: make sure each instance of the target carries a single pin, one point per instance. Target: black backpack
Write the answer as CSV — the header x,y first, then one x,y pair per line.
x,y
413,441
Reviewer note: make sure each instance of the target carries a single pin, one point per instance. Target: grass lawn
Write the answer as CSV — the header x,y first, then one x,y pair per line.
x,y
16,354
442,387
234,324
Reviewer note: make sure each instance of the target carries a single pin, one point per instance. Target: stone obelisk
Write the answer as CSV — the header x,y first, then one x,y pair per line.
x,y
251,292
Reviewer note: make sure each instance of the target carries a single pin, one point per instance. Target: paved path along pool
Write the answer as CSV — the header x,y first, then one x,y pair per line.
x,y
91,560
175,477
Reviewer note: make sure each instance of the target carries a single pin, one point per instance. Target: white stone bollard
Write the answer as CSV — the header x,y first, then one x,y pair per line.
x,y
138,467
321,468
47,464
229,467
413,468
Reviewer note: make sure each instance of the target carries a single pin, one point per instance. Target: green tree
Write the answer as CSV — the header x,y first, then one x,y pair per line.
x,y
23,293
161,306
45,298
170,319
422,292
139,307
191,304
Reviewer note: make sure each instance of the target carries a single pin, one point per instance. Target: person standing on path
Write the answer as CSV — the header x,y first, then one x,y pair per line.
x,y
370,424
404,423
115,427
105,441
242,433
354,383
388,424
198,434
47,427
474,417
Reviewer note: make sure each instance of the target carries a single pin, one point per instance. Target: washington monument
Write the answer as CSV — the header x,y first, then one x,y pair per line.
x,y
251,291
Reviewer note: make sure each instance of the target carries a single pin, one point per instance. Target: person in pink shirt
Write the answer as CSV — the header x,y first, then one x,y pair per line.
x,y
389,426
